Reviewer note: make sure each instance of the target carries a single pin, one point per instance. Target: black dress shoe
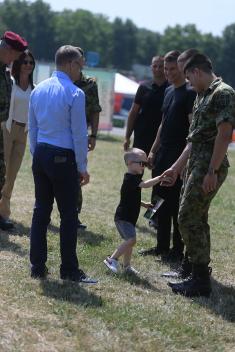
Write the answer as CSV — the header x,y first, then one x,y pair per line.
x,y
155,251
39,273
81,226
6,224
78,276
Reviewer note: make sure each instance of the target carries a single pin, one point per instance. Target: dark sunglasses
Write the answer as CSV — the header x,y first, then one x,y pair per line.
x,y
25,62
141,163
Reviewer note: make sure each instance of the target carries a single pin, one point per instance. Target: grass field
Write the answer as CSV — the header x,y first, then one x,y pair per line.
x,y
120,313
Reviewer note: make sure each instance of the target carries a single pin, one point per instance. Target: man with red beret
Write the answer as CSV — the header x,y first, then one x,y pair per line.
x,y
11,47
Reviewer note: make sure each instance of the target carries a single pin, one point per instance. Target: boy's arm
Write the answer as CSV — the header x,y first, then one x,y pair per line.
x,y
146,205
150,183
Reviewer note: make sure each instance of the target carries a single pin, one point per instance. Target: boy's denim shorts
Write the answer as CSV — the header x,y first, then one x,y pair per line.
x,y
126,229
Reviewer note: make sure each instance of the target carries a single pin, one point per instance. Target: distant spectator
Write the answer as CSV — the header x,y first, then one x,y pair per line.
x,y
11,47
15,129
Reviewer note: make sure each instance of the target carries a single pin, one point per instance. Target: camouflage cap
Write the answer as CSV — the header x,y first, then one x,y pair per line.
x,y
15,41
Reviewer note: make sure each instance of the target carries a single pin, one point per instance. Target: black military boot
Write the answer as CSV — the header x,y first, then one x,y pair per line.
x,y
184,271
197,285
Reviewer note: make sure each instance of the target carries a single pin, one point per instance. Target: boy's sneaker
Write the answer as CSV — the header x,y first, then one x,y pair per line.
x,y
130,270
112,264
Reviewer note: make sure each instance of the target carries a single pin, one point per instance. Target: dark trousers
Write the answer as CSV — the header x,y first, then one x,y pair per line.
x,y
55,176
79,195
167,215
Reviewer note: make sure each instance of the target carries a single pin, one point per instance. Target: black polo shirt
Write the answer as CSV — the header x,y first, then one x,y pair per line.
x,y
150,98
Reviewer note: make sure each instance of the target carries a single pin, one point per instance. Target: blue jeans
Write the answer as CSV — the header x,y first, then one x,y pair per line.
x,y
55,176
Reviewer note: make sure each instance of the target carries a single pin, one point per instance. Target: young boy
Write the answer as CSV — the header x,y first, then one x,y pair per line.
x,y
128,209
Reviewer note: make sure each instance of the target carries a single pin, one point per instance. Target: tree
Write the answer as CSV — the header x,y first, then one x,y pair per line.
x,y
124,43
148,46
227,57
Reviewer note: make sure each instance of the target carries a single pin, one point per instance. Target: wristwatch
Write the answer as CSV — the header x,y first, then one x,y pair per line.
x,y
212,171
93,136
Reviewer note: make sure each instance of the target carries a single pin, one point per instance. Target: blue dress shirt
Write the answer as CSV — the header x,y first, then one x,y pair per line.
x,y
57,116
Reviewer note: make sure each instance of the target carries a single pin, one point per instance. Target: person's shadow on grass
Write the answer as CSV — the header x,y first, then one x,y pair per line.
x,y
70,292
135,279
221,301
9,246
19,230
84,236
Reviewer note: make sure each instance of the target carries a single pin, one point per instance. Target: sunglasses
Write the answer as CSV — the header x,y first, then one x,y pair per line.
x,y
25,62
141,163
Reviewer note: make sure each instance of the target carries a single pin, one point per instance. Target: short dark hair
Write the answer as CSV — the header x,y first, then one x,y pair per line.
x,y
200,61
185,55
66,54
81,51
172,56
157,57
15,71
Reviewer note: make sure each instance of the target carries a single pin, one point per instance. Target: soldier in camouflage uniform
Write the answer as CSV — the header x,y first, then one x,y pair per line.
x,y
207,167
93,109
11,47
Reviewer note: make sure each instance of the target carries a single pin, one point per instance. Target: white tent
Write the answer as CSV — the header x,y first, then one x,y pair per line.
x,y
124,85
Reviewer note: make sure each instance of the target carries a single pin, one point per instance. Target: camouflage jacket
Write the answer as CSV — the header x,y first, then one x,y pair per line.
x,y
216,105
89,87
5,92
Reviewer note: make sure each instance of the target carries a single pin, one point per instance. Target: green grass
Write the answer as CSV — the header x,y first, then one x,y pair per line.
x,y
120,313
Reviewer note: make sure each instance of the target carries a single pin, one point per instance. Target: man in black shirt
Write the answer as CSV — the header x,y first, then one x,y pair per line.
x,y
169,144
145,114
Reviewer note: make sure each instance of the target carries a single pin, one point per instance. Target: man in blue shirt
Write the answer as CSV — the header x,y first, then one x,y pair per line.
x,y
58,143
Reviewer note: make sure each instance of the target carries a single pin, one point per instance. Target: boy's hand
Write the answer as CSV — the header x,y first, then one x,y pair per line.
x,y
146,205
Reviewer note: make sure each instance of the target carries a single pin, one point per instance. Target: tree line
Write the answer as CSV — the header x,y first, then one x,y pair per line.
x,y
120,44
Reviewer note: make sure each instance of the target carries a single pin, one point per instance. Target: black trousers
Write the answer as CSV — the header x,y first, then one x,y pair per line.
x,y
167,214
55,176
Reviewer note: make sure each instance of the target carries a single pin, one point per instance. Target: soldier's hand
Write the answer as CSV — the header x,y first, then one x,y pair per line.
x,y
126,144
84,178
91,143
169,177
209,183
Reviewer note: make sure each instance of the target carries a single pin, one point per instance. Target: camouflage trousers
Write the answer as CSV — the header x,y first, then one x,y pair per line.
x,y
2,163
193,213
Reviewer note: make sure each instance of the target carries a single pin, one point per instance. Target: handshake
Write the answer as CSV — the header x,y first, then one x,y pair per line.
x,y
168,178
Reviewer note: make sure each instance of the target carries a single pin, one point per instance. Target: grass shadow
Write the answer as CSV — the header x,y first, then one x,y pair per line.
x,y
84,236
136,280
109,138
147,230
20,230
89,237
9,246
221,301
70,292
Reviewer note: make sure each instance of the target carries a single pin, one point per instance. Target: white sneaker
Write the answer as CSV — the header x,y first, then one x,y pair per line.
x,y
130,270
112,264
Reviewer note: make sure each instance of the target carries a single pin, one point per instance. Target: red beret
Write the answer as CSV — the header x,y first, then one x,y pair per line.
x,y
15,41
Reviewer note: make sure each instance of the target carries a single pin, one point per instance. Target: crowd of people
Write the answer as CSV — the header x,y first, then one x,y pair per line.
x,y
182,121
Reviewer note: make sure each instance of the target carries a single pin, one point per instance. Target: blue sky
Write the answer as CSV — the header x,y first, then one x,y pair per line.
x,y
208,15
